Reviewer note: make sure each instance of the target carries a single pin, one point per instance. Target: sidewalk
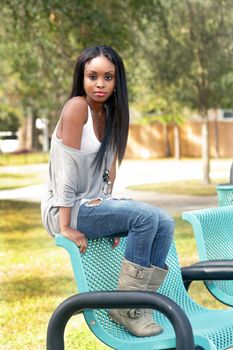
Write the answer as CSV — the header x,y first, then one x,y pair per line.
x,y
134,172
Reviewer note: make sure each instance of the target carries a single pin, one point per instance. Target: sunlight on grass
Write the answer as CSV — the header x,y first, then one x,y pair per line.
x,y
36,276
11,180
187,187
25,158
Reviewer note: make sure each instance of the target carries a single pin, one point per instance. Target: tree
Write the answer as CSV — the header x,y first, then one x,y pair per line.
x,y
192,52
161,107
42,39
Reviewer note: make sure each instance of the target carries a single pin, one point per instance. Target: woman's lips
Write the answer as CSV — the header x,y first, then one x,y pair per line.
x,y
100,93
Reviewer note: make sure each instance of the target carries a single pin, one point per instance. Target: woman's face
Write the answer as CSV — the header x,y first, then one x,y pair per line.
x,y
99,79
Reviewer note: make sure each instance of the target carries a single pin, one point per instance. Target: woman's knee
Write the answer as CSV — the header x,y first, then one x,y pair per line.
x,y
164,216
146,215
169,226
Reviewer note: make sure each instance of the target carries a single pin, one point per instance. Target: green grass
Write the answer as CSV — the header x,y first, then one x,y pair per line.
x,y
188,187
12,176
36,276
9,181
21,159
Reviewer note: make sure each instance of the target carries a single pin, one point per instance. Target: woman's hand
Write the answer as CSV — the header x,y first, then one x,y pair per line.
x,y
77,237
116,242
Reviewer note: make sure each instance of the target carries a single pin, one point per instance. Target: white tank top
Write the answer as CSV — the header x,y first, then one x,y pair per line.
x,y
89,141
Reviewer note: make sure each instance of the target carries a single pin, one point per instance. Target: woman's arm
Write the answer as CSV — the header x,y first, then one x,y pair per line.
x,y
73,118
76,236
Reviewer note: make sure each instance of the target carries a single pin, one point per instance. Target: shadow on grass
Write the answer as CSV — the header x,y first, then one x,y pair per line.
x,y
28,245
29,257
18,205
18,217
28,287
21,226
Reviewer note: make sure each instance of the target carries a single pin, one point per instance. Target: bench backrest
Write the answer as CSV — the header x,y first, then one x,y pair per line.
x,y
213,229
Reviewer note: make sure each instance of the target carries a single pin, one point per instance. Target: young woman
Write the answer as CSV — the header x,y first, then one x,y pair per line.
x,y
90,137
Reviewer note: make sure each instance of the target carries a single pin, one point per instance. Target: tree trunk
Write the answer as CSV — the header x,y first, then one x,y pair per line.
x,y
231,174
25,134
34,133
177,152
45,146
216,134
167,143
205,150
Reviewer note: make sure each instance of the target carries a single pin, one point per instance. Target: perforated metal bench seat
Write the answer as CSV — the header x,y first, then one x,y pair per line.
x,y
98,269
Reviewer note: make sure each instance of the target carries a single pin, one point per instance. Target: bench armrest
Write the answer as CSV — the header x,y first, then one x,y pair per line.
x,y
119,299
207,271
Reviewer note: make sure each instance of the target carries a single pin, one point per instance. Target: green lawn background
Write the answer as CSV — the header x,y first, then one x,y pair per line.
x,y
36,275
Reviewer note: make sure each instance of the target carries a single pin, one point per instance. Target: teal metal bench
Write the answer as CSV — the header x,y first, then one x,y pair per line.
x,y
213,230
97,270
225,194
225,191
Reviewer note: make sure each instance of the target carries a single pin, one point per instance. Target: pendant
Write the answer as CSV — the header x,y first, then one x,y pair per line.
x,y
106,183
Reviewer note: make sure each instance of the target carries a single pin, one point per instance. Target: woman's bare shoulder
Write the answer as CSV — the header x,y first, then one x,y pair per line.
x,y
73,117
75,110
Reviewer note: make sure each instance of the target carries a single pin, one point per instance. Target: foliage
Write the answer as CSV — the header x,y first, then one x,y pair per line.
x,y
178,51
192,51
192,57
44,38
9,122
178,54
10,107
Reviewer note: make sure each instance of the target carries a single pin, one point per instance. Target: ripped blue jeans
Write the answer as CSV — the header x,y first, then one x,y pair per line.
x,y
149,229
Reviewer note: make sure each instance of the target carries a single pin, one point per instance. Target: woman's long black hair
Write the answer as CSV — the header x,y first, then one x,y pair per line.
x,y
117,110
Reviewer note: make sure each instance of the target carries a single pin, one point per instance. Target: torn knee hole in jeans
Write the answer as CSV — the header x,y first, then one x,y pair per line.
x,y
94,202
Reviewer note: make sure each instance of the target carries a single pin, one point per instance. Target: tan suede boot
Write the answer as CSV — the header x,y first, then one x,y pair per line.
x,y
135,277
157,278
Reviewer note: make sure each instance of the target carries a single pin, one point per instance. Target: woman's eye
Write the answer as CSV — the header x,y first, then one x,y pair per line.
x,y
108,77
92,77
